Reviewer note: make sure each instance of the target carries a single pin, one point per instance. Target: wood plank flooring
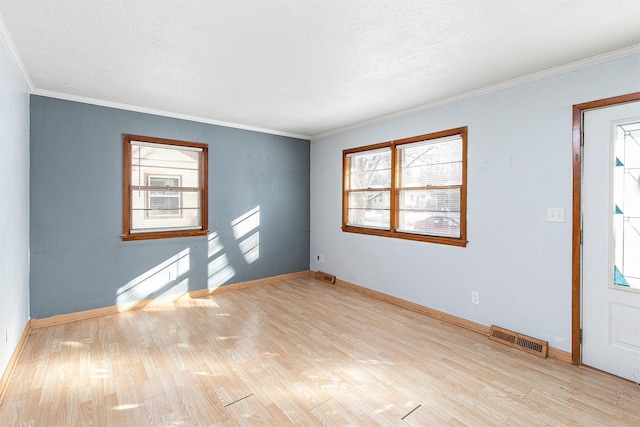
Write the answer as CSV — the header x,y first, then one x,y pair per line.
x,y
297,352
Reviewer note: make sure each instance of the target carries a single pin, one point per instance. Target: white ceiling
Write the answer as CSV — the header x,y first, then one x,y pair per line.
x,y
300,67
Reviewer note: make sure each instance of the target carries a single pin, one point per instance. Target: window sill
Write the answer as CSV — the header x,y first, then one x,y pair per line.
x,y
164,235
451,241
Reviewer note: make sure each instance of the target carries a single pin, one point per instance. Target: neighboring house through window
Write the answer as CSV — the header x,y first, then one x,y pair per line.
x,y
163,202
165,188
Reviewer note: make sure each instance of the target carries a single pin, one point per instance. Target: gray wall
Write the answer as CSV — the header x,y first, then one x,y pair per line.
x,y
14,207
79,262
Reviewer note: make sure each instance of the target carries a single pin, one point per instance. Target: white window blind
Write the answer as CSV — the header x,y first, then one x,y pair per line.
x,y
430,180
369,188
165,187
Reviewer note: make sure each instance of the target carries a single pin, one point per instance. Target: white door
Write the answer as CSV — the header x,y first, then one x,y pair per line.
x,y
611,240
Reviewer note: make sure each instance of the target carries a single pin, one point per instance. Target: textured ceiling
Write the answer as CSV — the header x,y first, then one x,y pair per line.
x,y
301,67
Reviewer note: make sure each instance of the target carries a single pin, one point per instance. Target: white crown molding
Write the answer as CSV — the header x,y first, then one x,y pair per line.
x,y
7,41
139,109
583,63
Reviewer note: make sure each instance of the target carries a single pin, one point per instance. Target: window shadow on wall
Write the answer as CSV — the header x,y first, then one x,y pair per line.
x,y
245,231
249,244
168,281
219,268
165,282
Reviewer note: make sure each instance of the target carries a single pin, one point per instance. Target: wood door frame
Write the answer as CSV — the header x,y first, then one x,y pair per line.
x,y
576,248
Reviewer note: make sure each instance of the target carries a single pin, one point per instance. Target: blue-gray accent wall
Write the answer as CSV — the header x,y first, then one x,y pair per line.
x,y
78,260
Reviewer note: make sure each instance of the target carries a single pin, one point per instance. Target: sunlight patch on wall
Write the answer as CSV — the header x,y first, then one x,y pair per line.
x,y
219,269
214,244
250,247
177,290
243,225
157,279
169,296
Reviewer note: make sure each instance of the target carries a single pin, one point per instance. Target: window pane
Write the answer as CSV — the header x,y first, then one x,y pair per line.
x,y
164,193
436,225
433,212
626,205
164,205
369,218
164,167
431,200
431,163
432,175
157,181
182,212
369,208
163,202
371,170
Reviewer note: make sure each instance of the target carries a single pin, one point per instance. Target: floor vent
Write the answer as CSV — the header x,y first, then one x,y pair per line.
x,y
516,340
329,278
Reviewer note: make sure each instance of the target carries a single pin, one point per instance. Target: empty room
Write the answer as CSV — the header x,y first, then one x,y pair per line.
x,y
320,212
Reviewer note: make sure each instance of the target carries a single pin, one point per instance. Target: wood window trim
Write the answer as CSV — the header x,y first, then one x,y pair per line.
x,y
394,220
127,235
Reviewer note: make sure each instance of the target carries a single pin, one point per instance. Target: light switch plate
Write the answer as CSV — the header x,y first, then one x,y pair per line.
x,y
555,214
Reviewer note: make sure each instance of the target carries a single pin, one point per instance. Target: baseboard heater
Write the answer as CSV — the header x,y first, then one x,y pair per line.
x,y
513,339
325,277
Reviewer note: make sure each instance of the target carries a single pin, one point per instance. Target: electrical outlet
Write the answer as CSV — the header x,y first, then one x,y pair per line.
x,y
475,297
321,258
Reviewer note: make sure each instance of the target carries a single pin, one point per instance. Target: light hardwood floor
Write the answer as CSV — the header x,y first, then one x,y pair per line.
x,y
297,352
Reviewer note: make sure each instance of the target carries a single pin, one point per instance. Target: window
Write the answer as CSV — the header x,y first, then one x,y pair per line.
x,y
163,202
414,188
626,205
165,188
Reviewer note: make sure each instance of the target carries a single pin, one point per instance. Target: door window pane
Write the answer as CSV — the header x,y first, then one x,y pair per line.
x,y
626,205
